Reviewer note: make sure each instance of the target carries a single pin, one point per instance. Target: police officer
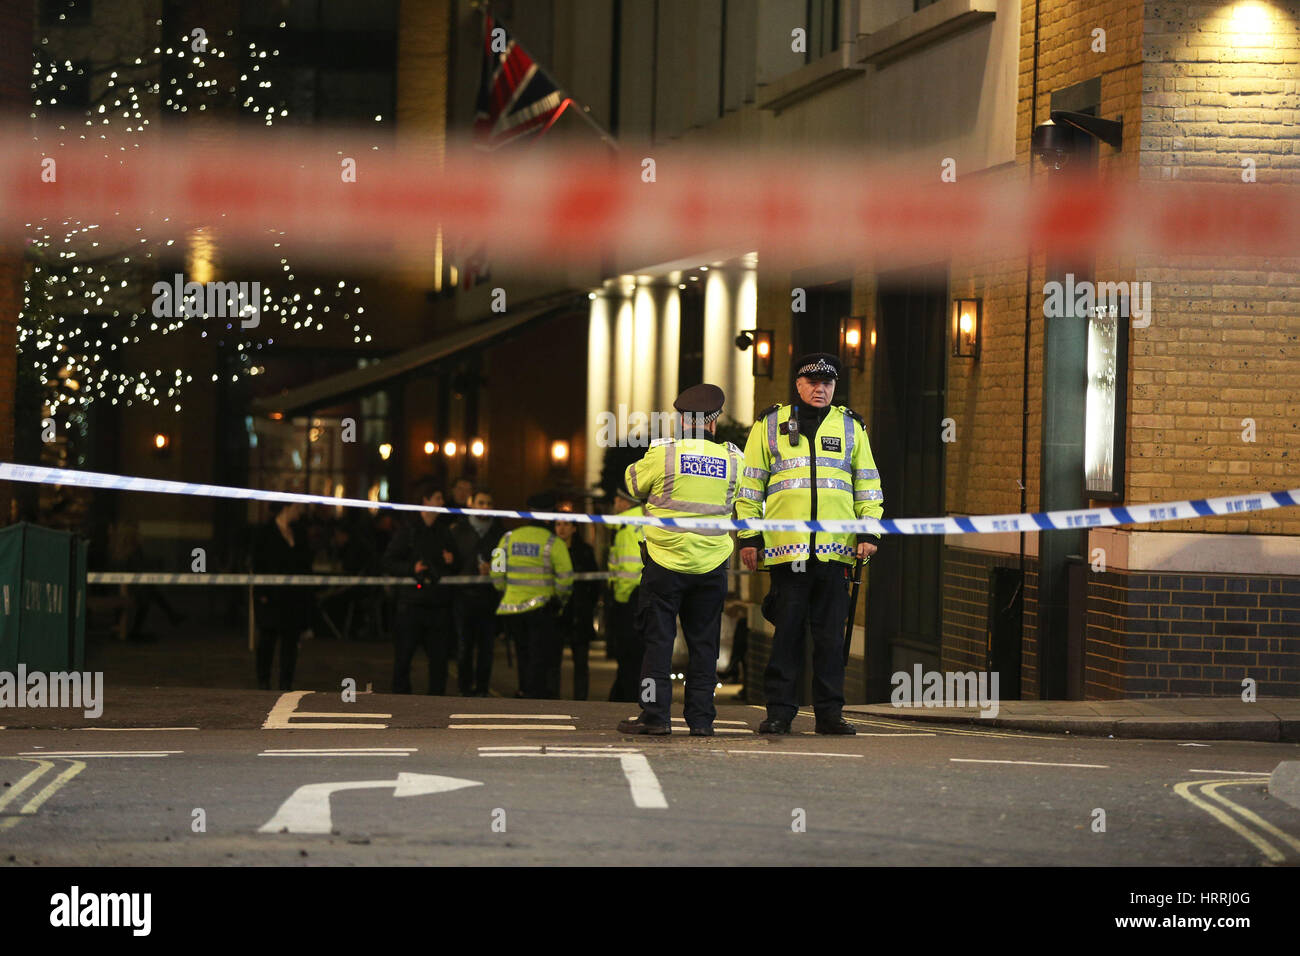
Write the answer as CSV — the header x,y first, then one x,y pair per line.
x,y
685,570
531,565
622,623
811,461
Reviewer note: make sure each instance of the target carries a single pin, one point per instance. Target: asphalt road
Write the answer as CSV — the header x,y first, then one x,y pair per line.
x,y
552,782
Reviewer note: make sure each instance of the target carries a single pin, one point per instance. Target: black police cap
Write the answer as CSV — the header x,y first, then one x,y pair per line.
x,y
540,502
818,365
703,401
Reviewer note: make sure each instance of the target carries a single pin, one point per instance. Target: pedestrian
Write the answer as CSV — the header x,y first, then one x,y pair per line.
x,y
576,624
810,461
685,570
622,622
531,568
283,611
474,606
462,489
423,550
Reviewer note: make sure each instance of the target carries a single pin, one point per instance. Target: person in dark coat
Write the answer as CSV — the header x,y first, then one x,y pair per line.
x,y
576,625
474,606
423,550
282,611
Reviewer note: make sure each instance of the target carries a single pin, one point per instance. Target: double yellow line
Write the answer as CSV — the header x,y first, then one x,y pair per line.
x,y
10,819
1210,788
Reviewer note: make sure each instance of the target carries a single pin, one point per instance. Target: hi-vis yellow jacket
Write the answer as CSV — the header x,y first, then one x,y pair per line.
x,y
687,478
532,565
625,557
828,476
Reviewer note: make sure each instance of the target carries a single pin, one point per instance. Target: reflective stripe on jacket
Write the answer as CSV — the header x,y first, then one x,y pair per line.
x,y
827,477
532,566
687,478
625,558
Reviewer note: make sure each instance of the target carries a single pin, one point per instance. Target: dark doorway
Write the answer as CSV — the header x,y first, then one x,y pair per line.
x,y
904,604
818,328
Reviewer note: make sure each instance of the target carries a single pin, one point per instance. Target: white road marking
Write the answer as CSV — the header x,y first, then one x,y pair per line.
x,y
1244,773
308,808
340,752
98,753
646,792
133,728
285,716
794,753
511,727
512,717
1031,763
739,723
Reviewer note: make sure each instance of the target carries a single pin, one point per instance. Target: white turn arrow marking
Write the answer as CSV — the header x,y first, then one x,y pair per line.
x,y
308,809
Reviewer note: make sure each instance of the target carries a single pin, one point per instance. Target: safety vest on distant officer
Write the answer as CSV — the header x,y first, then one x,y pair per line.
x,y
532,566
625,557
827,476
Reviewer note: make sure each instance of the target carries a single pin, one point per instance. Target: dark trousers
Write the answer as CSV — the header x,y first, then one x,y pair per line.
x,y
579,636
538,645
422,626
267,639
476,629
698,599
623,624
819,595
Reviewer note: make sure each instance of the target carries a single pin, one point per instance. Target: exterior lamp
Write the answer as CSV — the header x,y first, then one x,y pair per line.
x,y
853,337
966,321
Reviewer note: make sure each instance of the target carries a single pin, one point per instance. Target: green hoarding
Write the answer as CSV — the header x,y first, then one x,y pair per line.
x,y
42,599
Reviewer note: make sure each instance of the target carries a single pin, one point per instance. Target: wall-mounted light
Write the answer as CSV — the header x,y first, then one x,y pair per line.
x,y
431,448
449,448
476,448
385,450
853,335
763,353
560,452
161,442
967,316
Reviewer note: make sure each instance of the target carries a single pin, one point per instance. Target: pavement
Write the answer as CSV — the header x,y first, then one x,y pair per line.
x,y
1179,718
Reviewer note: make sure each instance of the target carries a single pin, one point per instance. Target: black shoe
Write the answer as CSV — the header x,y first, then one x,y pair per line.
x,y
701,731
836,726
635,725
774,726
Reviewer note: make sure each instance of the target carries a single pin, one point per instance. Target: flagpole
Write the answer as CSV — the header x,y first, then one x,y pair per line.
x,y
605,136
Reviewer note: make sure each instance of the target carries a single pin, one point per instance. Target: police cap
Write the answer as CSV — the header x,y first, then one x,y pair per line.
x,y
818,365
703,403
543,501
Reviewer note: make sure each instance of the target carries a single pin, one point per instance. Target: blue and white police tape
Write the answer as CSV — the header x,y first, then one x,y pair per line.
x,y
1231,505
280,580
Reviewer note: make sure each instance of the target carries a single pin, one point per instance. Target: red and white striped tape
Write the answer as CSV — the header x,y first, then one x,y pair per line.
x,y
538,207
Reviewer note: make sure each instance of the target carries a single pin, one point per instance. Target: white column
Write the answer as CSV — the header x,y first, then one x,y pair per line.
x,y
644,350
719,337
623,356
670,347
598,382
740,403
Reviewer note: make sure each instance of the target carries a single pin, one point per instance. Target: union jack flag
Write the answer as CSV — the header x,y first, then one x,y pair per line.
x,y
516,99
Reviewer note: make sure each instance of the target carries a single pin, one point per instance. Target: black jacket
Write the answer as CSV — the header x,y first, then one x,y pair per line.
x,y
417,541
578,615
471,548
284,606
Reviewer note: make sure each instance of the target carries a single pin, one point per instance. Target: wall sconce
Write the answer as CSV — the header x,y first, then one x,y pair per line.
x,y
431,448
449,448
560,453
385,450
476,448
761,339
853,334
161,444
967,318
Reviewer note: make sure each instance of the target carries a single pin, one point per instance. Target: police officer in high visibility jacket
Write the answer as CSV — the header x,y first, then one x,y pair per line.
x,y
531,565
622,623
811,461
685,570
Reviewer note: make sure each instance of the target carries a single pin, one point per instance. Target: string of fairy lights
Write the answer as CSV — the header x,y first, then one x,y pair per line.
x,y
87,298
